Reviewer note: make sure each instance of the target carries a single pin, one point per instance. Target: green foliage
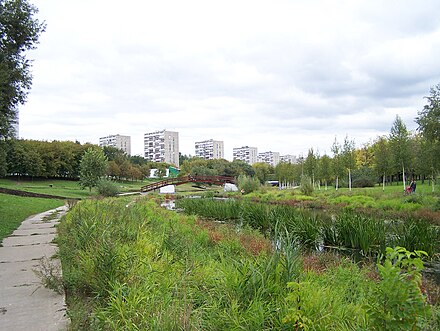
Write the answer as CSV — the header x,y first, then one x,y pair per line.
x,y
262,171
398,303
93,167
306,185
3,167
363,177
248,184
107,188
345,298
218,167
330,301
428,117
19,33
140,267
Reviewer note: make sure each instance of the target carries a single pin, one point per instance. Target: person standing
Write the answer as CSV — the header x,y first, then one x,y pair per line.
x,y
413,186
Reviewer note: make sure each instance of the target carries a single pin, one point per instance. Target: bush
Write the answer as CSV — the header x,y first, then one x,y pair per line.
x,y
363,182
107,188
306,185
248,184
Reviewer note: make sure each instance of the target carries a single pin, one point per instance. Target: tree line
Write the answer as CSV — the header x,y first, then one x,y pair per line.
x,y
397,157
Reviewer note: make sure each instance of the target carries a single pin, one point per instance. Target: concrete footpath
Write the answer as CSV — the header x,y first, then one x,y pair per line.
x,y
25,304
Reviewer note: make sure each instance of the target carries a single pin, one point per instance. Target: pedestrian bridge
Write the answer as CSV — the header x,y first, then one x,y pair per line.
x,y
216,180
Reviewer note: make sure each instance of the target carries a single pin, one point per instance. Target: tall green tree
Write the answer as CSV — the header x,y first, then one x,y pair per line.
x,y
429,117
93,166
400,148
285,172
325,169
19,33
349,158
311,165
382,159
338,165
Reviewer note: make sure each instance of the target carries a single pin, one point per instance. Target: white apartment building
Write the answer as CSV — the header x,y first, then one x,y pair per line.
x,y
162,146
246,154
272,158
121,142
210,149
288,159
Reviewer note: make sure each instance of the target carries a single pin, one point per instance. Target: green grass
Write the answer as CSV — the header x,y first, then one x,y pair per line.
x,y
63,188
14,210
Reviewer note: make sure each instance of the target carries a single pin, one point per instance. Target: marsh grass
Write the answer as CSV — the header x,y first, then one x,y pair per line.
x,y
135,266
347,229
147,268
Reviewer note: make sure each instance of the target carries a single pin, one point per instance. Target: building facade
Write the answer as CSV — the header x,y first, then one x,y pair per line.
x,y
246,154
162,146
288,159
272,158
121,142
210,149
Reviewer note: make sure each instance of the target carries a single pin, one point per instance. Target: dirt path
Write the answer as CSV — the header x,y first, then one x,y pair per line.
x,y
25,304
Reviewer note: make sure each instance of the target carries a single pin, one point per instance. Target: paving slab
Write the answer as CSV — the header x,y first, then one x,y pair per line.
x,y
25,304
28,240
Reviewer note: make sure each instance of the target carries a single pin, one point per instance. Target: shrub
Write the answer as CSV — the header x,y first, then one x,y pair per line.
x,y
398,303
363,182
306,185
248,184
107,188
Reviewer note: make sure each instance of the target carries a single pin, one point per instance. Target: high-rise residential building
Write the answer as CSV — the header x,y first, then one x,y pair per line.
x,y
210,149
272,158
121,142
162,146
288,159
246,154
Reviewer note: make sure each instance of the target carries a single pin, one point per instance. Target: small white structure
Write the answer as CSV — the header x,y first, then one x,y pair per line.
x,y
169,189
230,187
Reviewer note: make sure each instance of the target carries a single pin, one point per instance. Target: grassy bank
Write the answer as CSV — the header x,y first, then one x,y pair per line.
x,y
135,266
14,210
63,188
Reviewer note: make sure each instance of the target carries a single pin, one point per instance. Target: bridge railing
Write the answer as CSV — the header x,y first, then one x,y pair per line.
x,y
219,180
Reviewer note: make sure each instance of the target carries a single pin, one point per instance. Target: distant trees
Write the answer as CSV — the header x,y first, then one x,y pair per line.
x,y
262,171
399,141
93,166
217,167
43,159
382,160
311,165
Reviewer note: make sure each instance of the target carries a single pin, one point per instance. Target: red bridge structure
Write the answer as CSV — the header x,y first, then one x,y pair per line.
x,y
216,180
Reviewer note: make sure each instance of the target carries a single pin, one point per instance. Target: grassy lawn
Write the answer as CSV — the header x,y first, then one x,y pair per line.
x,y
14,210
63,188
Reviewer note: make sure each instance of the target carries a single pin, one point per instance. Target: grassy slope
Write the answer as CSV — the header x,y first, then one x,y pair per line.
x,y
64,188
14,209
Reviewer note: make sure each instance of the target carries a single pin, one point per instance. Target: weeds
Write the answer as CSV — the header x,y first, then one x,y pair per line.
x,y
49,271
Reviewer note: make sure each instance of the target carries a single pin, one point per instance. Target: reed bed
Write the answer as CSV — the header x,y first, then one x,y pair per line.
x,y
313,230
136,266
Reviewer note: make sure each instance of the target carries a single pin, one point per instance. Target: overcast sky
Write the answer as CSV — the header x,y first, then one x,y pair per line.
x,y
278,75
